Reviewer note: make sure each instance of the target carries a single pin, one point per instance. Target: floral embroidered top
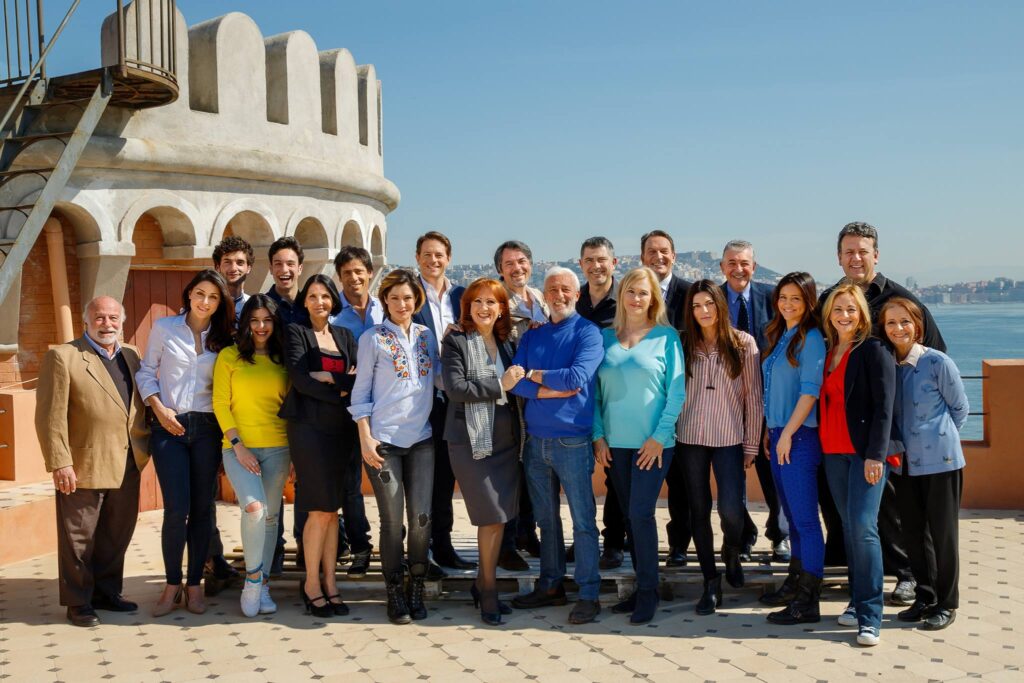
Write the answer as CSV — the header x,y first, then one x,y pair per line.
x,y
395,382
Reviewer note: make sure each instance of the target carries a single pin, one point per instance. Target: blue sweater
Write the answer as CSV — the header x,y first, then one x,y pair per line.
x,y
569,352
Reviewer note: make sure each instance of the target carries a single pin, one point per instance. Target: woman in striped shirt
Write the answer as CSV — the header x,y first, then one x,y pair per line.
x,y
719,428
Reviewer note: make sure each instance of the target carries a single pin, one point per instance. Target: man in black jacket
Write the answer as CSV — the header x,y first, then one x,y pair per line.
x,y
658,252
858,255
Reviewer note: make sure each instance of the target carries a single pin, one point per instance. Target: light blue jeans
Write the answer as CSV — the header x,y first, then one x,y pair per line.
x,y
259,529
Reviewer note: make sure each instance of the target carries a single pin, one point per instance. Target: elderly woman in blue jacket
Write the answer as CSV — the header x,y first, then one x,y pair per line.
x,y
931,409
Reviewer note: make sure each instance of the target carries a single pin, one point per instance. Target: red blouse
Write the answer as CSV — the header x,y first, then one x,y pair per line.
x,y
833,430
331,363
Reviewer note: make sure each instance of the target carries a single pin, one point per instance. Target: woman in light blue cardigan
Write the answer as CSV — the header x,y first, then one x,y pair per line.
x,y
931,409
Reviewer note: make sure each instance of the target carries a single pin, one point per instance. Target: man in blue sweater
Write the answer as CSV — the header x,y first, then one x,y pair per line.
x,y
557,363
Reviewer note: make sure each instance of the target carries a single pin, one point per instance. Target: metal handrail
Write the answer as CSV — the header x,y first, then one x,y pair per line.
x,y
166,65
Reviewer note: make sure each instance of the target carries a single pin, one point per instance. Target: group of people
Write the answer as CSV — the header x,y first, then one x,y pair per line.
x,y
844,402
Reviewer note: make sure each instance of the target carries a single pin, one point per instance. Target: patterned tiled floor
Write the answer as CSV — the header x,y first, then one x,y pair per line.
x,y
36,644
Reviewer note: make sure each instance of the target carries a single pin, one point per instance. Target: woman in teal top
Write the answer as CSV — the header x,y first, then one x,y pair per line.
x,y
641,386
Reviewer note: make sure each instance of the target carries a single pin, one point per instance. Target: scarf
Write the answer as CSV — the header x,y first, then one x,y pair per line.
x,y
479,414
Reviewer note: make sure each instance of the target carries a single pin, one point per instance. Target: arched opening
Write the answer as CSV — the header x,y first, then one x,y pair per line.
x,y
351,235
311,234
377,247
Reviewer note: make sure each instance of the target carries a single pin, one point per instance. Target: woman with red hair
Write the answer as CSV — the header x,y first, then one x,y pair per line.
x,y
484,427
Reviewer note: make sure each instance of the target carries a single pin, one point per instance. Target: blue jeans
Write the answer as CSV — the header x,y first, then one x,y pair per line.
x,y
727,461
858,503
186,466
259,528
797,485
567,461
638,491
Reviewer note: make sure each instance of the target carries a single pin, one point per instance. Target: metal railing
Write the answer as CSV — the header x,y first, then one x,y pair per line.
x,y
27,43
156,30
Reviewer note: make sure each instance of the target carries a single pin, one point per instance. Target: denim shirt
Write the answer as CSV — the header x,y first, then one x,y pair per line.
x,y
933,408
395,382
784,384
172,368
350,320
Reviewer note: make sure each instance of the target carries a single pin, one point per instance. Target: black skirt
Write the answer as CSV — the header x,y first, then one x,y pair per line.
x,y
490,486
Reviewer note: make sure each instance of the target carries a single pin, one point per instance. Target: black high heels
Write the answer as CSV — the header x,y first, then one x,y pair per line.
x,y
503,607
322,611
489,618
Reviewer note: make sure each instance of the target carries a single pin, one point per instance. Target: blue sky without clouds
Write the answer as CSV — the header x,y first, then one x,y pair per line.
x,y
776,122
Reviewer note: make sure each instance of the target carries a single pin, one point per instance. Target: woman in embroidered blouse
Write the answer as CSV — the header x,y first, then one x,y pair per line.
x,y
720,428
321,365
484,427
792,382
855,417
391,402
931,410
640,389
176,382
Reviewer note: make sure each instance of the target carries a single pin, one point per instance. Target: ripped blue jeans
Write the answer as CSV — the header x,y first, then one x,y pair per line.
x,y
259,528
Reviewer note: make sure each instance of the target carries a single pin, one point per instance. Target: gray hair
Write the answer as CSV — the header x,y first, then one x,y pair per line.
x,y
557,271
857,229
597,243
88,307
737,245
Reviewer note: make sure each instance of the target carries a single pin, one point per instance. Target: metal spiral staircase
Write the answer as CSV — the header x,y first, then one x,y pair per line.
x,y
142,75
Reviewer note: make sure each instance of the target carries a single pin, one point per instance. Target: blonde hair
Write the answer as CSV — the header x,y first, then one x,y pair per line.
x,y
655,312
863,330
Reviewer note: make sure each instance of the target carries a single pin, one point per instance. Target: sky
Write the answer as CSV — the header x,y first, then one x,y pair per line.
x,y
775,122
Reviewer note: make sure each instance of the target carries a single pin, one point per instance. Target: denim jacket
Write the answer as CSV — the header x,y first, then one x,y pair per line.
x,y
933,407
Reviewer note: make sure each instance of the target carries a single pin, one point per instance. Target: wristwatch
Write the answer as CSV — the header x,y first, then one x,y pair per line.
x,y
235,441
529,374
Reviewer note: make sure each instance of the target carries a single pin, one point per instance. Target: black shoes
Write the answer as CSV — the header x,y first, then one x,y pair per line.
x,y
733,568
477,596
804,608
318,606
904,594
414,596
541,598
511,561
919,611
711,598
939,619
787,591
781,551
646,606
611,558
398,609
83,616
360,564
584,612
447,557
529,543
626,606
676,557
113,603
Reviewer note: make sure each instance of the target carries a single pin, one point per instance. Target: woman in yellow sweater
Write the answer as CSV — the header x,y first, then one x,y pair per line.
x,y
250,382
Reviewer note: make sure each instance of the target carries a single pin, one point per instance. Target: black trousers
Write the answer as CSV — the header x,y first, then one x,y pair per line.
x,y
929,508
895,561
775,529
679,531
442,514
614,532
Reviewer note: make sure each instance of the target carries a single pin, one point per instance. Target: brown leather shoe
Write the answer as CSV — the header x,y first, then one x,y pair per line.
x,y
195,601
169,600
84,616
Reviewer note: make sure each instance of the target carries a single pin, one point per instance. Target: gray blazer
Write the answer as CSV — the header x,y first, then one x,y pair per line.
x,y
462,390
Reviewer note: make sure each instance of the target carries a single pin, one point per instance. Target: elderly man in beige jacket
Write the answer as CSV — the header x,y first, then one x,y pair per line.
x,y
91,426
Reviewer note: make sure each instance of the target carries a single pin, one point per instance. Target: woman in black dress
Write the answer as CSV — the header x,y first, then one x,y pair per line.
x,y
484,427
321,366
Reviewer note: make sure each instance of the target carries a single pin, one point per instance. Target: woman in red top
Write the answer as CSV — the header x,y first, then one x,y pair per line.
x,y
855,423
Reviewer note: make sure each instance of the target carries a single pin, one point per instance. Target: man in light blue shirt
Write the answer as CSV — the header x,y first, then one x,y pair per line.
x,y
359,310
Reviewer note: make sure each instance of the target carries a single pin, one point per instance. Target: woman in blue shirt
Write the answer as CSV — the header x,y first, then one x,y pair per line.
x,y
792,372
931,408
391,402
641,386
176,382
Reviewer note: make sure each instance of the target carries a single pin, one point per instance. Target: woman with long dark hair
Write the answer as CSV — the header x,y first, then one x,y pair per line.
x,y
932,408
720,429
484,427
249,385
855,417
321,360
391,402
176,382
792,382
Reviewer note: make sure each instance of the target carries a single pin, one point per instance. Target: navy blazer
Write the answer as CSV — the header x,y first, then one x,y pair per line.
x,y
312,402
675,301
423,316
870,393
760,311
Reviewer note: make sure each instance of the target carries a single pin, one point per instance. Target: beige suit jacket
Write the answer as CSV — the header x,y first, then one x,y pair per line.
x,y
81,419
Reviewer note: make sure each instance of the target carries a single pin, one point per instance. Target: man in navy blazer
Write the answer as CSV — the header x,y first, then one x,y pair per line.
x,y
442,308
750,310
658,252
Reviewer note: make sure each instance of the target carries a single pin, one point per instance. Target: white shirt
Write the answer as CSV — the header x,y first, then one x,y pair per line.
x,y
440,304
172,368
664,285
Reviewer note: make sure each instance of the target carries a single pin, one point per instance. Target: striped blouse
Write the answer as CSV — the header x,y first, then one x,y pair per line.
x,y
719,410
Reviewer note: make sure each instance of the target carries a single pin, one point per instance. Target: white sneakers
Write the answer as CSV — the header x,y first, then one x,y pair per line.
x,y
849,616
252,598
868,636
267,606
